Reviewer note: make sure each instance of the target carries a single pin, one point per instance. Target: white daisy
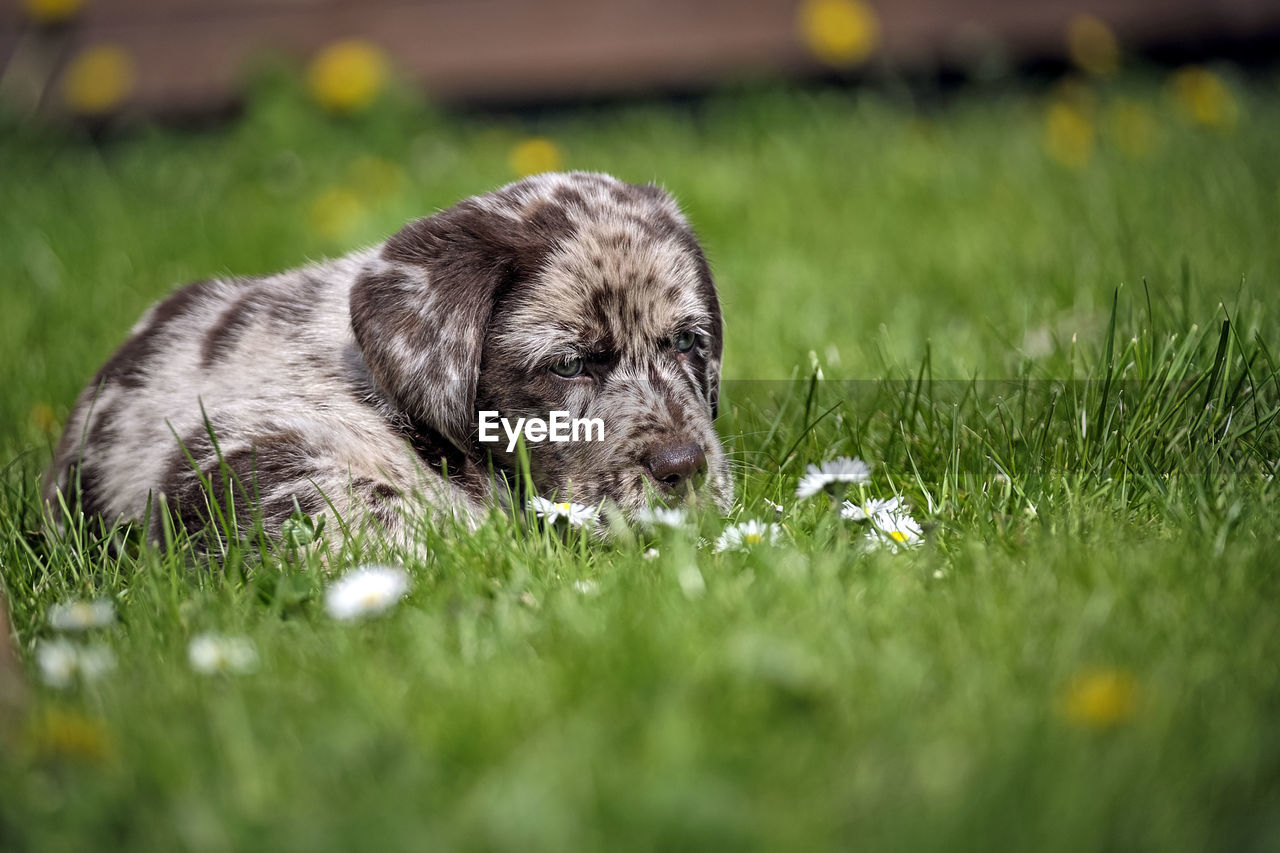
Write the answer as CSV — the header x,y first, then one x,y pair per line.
x,y
896,530
662,517
76,615
651,554
833,474
576,515
62,661
588,588
747,535
213,653
57,660
870,507
366,591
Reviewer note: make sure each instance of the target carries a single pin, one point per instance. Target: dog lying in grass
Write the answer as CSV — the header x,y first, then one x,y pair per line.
x,y
355,386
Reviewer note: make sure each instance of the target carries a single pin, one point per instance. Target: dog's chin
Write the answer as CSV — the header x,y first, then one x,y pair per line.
x,y
636,494
709,497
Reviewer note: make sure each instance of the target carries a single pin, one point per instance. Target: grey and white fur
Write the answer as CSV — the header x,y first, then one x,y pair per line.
x,y
353,385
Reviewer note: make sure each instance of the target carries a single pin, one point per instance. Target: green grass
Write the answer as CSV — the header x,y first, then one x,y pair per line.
x,y
1070,373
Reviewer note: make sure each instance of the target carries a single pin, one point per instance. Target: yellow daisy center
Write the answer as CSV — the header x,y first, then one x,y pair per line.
x,y
897,536
752,538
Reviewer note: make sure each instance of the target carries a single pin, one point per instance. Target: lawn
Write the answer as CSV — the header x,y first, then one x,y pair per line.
x,y
1046,316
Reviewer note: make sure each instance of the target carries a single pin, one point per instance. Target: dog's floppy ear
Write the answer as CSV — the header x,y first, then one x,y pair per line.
x,y
712,377
707,290
420,316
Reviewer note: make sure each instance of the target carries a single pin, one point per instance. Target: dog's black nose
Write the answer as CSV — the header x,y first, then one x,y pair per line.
x,y
674,466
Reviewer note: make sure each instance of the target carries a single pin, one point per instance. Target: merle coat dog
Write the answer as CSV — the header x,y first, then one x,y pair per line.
x,y
353,386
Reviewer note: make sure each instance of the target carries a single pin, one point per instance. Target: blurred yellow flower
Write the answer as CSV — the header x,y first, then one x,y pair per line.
x,y
52,11
534,155
375,179
1132,126
348,76
336,212
43,418
1100,699
842,33
1069,134
1092,46
1204,98
68,734
98,80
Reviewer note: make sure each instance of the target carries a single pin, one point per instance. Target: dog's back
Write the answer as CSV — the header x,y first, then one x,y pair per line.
x,y
253,385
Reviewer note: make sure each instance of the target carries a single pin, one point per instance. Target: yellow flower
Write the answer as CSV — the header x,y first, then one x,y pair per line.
x,y
1068,135
534,155
43,418
1133,127
842,33
1100,699
1092,46
1204,98
51,11
374,178
336,212
348,76
68,734
98,80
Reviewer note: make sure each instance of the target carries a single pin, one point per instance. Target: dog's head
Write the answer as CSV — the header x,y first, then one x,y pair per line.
x,y
572,293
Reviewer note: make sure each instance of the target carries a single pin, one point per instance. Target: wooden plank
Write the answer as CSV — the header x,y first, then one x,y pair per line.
x,y
466,50
193,53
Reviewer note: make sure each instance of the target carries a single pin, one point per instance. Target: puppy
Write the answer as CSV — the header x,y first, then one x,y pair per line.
x,y
354,387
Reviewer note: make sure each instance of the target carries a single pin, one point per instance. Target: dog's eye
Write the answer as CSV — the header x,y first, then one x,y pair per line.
x,y
684,341
568,368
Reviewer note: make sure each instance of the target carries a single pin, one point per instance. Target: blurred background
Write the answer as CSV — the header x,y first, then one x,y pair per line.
x,y
195,57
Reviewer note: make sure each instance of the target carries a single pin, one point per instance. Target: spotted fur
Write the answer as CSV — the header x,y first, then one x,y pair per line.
x,y
353,385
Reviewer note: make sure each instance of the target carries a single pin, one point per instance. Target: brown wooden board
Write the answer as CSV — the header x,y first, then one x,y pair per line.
x,y
193,54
